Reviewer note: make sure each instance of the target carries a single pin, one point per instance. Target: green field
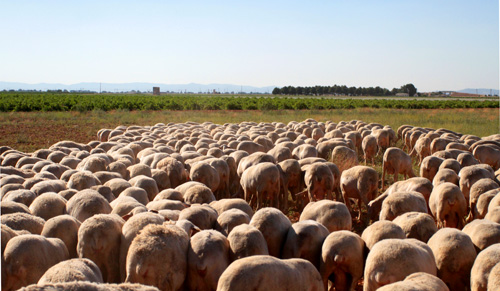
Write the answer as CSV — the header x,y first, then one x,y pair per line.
x,y
32,120
47,101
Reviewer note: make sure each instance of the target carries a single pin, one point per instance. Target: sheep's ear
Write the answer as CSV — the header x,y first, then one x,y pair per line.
x,y
128,215
194,230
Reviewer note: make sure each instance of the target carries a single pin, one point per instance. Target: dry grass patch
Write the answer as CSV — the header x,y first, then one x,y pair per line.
x,y
29,131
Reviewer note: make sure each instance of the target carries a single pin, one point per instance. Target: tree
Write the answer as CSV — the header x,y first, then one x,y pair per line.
x,y
335,89
313,91
344,90
319,90
410,89
352,91
371,91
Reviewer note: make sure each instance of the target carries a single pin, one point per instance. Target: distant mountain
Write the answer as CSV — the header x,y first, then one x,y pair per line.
x,y
481,91
143,87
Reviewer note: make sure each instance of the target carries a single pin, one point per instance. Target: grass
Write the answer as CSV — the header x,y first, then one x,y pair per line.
x,y
29,131
47,101
34,130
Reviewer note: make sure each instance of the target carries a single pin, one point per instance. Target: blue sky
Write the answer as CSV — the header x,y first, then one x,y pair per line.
x,y
436,45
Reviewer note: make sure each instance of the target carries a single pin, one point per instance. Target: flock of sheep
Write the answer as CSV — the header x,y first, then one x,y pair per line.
x,y
204,207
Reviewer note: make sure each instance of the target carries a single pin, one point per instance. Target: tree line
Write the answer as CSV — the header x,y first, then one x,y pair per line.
x,y
344,90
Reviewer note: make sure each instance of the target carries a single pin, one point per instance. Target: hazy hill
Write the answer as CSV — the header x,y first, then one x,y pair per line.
x,y
143,87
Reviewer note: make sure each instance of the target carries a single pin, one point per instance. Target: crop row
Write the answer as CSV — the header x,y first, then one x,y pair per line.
x,y
27,102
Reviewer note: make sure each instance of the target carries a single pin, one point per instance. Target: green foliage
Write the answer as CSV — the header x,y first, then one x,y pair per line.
x,y
408,88
342,90
50,101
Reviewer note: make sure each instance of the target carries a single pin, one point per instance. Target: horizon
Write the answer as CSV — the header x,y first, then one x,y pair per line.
x,y
451,45
184,87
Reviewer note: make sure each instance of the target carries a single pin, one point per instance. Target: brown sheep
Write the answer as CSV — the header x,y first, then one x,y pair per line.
x,y
484,263
99,239
454,253
269,273
391,260
158,257
207,258
246,240
72,270
370,148
333,215
361,183
448,206
396,162
380,230
28,257
342,258
274,226
304,240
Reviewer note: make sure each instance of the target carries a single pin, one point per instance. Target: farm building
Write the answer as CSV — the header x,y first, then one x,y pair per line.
x,y
156,90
